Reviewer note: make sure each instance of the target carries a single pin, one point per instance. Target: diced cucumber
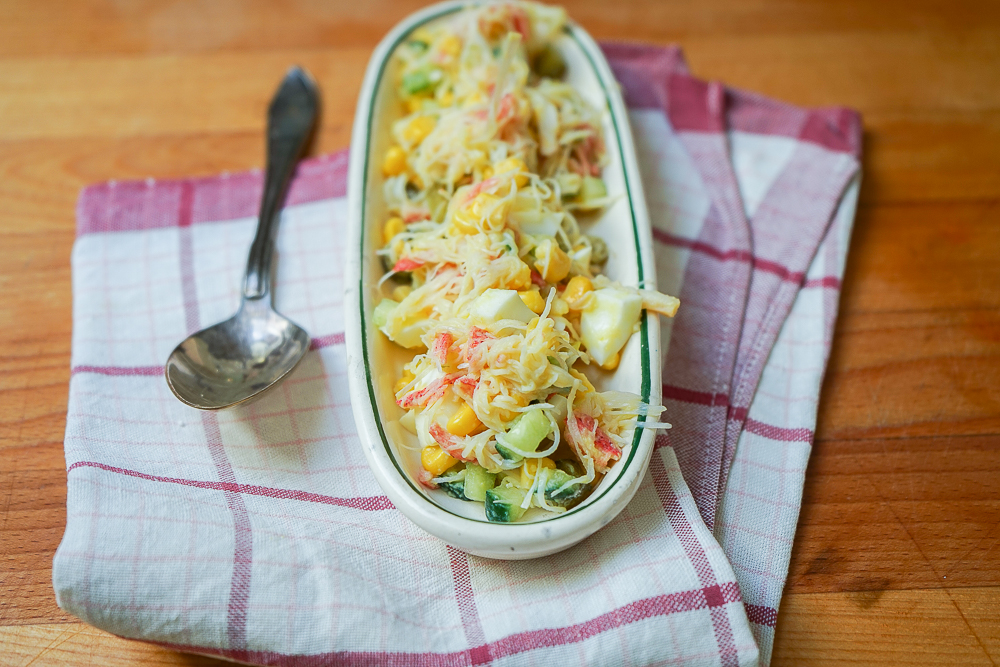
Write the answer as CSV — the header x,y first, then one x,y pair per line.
x,y
383,311
416,82
478,481
454,489
564,497
572,467
507,454
503,504
569,184
592,188
528,431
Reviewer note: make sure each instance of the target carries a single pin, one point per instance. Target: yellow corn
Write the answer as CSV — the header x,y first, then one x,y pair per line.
x,y
521,279
612,363
435,460
395,161
492,208
516,165
473,99
417,181
404,379
418,129
486,207
533,300
576,288
393,226
487,172
401,292
414,104
451,45
465,422
530,468
551,261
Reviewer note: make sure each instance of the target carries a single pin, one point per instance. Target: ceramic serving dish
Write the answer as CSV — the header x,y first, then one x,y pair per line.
x,y
374,363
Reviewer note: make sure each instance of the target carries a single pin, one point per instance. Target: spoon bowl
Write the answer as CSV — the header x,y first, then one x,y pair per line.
x,y
240,358
236,360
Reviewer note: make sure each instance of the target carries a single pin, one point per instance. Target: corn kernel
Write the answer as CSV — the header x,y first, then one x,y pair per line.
x,y
559,307
462,224
465,422
473,99
393,226
530,468
418,129
451,45
436,461
551,261
395,161
515,165
484,207
414,104
521,279
404,379
612,363
576,288
492,209
417,182
401,292
487,172
533,300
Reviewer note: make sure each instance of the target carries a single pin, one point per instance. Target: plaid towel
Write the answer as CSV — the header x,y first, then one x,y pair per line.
x,y
259,534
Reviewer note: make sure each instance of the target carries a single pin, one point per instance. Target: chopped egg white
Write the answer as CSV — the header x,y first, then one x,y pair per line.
x,y
501,304
608,320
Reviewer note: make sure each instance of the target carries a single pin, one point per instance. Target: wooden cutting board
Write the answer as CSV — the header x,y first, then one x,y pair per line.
x,y
896,560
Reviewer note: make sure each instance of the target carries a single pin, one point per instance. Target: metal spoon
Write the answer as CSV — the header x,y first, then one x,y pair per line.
x,y
235,360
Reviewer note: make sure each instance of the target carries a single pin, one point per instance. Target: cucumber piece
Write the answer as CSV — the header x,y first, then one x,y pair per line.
x,y
503,504
556,495
572,467
592,188
454,489
382,312
478,481
507,454
528,431
416,82
569,184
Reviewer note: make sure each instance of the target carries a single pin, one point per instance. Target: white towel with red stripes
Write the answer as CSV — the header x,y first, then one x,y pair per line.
x,y
258,534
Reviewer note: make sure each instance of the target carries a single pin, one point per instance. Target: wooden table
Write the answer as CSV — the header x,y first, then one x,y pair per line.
x,y
896,559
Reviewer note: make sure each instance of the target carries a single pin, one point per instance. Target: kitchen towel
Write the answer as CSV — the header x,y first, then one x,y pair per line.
x,y
258,533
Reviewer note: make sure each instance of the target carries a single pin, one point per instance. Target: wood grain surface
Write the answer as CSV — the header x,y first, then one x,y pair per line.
x,y
896,559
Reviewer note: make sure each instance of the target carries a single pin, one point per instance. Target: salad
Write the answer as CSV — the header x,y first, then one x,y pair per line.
x,y
491,279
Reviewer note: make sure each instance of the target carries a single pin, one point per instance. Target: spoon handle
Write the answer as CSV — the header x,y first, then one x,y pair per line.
x,y
290,120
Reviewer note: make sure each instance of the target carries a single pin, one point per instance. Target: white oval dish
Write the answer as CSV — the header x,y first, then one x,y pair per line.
x,y
374,363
